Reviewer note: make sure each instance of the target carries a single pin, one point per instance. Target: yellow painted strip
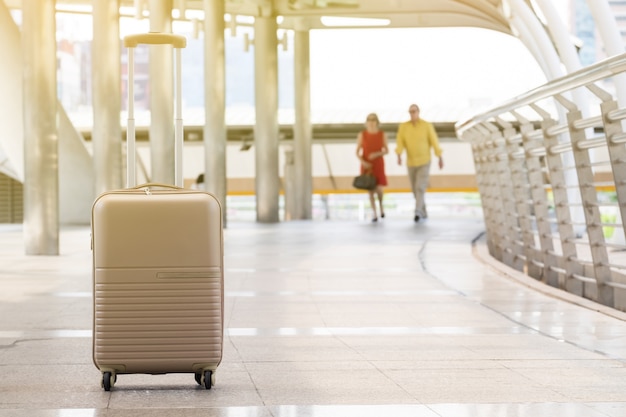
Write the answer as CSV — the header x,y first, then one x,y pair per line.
x,y
395,190
355,191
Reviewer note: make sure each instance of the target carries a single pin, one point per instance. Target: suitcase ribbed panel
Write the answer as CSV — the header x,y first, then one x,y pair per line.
x,y
144,323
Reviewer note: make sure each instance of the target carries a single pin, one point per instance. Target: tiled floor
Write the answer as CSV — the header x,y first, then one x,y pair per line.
x,y
336,318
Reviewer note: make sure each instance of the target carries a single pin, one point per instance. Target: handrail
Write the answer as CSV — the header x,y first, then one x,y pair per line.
x,y
544,184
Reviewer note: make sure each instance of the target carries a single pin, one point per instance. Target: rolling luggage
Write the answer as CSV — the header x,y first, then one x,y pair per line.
x,y
158,281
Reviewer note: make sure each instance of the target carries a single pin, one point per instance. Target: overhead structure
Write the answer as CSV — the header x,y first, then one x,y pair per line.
x,y
523,19
488,14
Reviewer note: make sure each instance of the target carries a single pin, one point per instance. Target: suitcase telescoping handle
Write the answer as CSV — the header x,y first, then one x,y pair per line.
x,y
154,38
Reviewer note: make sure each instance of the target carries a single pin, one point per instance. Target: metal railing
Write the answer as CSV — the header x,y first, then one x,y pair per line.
x,y
552,178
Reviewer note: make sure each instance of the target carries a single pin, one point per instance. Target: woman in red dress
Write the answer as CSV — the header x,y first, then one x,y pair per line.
x,y
371,147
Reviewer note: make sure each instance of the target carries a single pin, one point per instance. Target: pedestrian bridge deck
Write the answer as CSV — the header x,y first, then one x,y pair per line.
x,y
327,318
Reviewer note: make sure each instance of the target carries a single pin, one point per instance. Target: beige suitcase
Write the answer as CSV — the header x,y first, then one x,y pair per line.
x,y
158,282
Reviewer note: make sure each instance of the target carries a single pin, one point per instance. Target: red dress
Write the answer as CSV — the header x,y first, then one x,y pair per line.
x,y
373,142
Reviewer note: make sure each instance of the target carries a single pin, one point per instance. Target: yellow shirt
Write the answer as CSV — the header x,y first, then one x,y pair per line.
x,y
417,140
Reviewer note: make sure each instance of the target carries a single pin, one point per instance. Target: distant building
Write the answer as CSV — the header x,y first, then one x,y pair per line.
x,y
619,10
584,29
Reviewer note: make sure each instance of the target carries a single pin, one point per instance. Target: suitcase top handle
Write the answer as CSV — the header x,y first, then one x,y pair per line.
x,y
155,38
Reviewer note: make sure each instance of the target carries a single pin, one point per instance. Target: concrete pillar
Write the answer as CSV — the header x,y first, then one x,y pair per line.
x,y
11,117
41,182
215,101
303,132
107,132
161,96
267,181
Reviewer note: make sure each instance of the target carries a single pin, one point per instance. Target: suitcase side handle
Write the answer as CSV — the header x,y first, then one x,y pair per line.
x,y
155,38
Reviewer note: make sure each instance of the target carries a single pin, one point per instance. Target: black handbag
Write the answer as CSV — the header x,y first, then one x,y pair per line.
x,y
365,181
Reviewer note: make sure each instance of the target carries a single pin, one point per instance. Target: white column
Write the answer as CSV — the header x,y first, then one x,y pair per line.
x,y
566,50
303,132
561,36
215,101
541,38
553,62
607,26
611,38
41,173
107,133
267,181
161,96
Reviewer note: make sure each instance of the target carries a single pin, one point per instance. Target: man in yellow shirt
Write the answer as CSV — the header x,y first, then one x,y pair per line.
x,y
417,137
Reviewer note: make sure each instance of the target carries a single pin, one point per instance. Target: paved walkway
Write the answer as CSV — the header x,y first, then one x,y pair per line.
x,y
336,318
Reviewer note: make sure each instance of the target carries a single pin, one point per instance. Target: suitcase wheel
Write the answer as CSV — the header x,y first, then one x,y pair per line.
x,y
207,379
108,380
